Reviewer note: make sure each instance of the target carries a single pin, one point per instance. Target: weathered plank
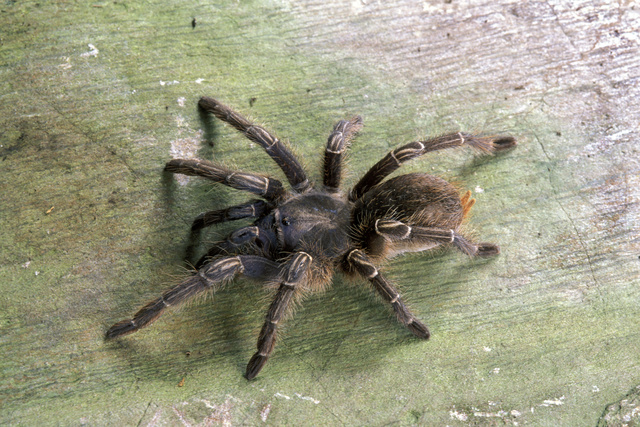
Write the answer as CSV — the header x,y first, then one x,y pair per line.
x,y
96,97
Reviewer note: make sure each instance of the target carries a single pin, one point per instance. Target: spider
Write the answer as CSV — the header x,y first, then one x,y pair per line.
x,y
301,236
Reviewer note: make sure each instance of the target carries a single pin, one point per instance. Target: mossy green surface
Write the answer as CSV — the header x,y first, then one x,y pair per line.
x,y
544,334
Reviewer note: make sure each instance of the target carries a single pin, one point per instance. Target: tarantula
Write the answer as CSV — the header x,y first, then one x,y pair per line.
x,y
302,235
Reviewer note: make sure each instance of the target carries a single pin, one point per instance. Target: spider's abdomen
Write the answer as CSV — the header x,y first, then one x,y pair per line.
x,y
416,199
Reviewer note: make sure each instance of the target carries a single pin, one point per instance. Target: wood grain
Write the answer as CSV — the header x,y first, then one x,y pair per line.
x,y
96,97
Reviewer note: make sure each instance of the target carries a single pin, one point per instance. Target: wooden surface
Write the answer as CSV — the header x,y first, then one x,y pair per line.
x,y
96,97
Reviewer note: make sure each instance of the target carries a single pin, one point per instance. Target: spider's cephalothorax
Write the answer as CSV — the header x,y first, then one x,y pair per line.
x,y
301,236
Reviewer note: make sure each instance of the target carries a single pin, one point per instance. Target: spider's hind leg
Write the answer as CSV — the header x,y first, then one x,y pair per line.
x,y
359,262
421,238
395,158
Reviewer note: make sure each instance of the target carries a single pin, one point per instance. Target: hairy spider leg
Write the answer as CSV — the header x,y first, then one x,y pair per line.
x,y
337,144
269,188
397,231
395,158
361,263
252,209
208,278
294,277
272,145
240,237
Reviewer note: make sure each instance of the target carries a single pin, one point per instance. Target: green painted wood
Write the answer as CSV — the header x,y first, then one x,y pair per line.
x,y
97,96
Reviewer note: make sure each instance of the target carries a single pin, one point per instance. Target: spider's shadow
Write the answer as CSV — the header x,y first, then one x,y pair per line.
x,y
468,168
211,133
202,190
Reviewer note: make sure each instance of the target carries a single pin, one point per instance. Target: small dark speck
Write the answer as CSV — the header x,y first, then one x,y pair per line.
x,y
252,101
418,48
166,108
448,1
193,23
521,87
188,353
558,133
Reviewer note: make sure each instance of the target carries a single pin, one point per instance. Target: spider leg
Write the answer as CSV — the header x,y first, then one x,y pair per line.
x,y
272,145
359,261
253,209
395,158
209,278
334,153
240,237
294,274
269,188
399,232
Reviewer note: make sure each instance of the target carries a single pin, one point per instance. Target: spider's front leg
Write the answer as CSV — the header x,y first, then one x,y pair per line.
x,y
262,240
268,188
271,144
361,263
294,276
208,278
253,209
337,145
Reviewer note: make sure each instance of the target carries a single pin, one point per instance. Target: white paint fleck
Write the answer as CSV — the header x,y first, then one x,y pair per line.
x,y
496,370
479,189
181,122
311,399
499,414
168,83
595,389
553,402
515,413
487,349
66,64
264,413
26,264
93,52
199,81
282,395
460,416
37,272
181,101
